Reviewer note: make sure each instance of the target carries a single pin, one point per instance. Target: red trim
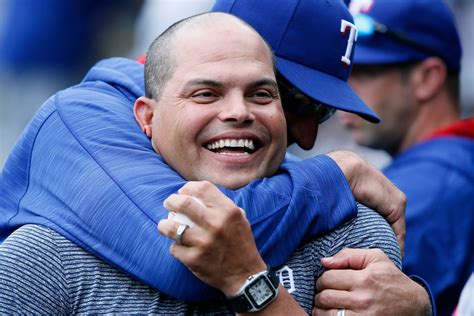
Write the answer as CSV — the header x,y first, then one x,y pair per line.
x,y
461,128
141,59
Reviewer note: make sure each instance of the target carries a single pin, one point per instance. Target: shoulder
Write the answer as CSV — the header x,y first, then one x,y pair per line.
x,y
368,230
36,249
449,160
437,156
31,271
31,239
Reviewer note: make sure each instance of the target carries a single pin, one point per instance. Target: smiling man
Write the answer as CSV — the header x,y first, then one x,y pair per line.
x,y
219,84
201,122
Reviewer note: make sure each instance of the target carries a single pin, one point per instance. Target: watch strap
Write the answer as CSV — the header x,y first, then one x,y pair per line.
x,y
240,302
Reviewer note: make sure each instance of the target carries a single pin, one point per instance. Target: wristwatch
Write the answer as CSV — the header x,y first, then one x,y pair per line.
x,y
258,291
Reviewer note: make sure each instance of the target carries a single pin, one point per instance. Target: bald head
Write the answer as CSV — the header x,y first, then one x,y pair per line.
x,y
176,41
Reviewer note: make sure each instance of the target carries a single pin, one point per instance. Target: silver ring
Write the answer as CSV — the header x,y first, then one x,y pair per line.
x,y
180,232
341,312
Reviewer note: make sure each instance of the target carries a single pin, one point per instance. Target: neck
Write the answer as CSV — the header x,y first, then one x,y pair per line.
x,y
433,114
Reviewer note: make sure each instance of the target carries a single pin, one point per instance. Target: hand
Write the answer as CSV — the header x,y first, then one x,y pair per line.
x,y
220,249
365,281
371,188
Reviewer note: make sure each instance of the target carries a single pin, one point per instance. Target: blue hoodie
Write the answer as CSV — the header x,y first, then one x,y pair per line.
x,y
437,175
84,168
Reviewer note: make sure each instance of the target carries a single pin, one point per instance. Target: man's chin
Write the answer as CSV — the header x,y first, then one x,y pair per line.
x,y
233,181
234,184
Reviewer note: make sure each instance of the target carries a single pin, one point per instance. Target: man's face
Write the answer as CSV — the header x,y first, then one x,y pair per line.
x,y
389,94
219,117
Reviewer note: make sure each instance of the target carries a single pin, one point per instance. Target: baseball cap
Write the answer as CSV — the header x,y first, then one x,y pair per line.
x,y
392,32
313,46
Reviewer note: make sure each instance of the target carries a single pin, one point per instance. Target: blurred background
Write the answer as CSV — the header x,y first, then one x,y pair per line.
x,y
48,45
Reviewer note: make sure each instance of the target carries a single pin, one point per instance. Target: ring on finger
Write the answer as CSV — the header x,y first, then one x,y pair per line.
x,y
179,233
341,312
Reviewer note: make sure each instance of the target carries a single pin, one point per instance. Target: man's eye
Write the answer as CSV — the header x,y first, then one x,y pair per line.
x,y
263,96
204,96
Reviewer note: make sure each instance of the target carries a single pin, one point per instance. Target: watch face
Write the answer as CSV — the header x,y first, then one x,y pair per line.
x,y
260,292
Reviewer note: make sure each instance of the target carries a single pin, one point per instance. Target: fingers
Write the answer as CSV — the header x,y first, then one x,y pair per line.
x,y
393,210
185,204
356,259
336,280
170,229
400,231
207,192
333,299
331,312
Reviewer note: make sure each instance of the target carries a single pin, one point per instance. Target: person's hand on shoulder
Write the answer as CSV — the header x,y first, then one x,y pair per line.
x,y
371,188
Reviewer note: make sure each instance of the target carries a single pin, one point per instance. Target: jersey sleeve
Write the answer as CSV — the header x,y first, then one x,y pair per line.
x,y
368,230
84,168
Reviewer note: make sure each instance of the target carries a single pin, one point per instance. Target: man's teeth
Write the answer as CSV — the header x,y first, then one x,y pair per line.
x,y
233,143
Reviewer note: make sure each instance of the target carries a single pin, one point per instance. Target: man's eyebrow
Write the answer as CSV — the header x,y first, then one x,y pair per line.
x,y
263,82
203,82
217,84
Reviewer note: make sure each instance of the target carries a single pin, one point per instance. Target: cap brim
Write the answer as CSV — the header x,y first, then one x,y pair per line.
x,y
325,88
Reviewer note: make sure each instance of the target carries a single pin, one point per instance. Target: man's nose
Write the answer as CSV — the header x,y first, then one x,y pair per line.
x,y
302,130
238,110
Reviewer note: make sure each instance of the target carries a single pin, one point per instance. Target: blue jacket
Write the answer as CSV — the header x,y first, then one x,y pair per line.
x,y
438,178
84,168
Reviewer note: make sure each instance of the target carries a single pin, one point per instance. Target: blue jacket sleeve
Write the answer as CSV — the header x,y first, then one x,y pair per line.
x,y
84,168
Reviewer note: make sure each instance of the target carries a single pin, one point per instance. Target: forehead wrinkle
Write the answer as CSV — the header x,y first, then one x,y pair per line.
x,y
263,82
190,37
204,82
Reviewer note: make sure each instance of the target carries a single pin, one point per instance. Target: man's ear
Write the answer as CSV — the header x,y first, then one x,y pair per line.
x,y
429,77
143,111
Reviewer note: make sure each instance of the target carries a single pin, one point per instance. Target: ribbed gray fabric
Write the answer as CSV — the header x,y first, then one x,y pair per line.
x,y
41,272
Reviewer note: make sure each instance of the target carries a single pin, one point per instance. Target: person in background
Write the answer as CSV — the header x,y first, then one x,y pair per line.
x,y
406,67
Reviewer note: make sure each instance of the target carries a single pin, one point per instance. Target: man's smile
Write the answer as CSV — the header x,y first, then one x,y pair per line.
x,y
233,147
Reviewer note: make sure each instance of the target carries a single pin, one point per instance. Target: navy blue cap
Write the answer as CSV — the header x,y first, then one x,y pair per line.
x,y
428,24
310,39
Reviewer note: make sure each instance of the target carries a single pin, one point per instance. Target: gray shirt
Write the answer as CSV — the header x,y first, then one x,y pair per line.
x,y
41,272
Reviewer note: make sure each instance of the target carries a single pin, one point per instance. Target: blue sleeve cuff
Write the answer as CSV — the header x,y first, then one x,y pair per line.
x,y
425,285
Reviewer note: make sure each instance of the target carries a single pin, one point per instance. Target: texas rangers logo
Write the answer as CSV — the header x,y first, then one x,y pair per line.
x,y
348,30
